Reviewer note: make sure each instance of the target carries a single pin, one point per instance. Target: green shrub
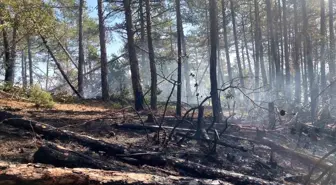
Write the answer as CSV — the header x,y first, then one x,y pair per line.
x,y
41,98
15,90
63,97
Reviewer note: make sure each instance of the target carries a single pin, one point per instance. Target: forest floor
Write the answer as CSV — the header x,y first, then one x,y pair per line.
x,y
103,122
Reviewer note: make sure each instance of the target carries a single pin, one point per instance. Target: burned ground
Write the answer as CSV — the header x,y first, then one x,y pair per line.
x,y
274,156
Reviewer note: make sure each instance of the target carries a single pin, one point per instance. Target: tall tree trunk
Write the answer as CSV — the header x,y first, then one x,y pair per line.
x,y
30,62
332,50
179,60
304,73
296,57
137,89
262,64
273,45
47,75
257,45
226,44
216,106
81,49
279,42
323,43
6,46
220,76
151,57
286,50
270,63
241,75
143,63
10,66
309,60
243,57
246,48
103,56
186,66
23,69
251,31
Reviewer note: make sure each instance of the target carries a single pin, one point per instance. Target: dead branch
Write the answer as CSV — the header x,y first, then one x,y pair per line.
x,y
319,162
142,122
59,66
164,112
184,116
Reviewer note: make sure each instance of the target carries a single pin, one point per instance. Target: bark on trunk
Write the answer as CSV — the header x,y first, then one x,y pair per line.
x,y
30,62
10,66
332,51
81,50
24,69
288,88
246,48
179,58
186,66
226,44
103,55
47,73
272,38
151,57
5,46
296,56
216,105
309,60
137,89
58,156
257,46
323,44
143,64
240,70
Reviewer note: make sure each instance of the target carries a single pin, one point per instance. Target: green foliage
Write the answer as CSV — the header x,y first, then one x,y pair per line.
x,y
41,98
63,97
116,105
121,98
15,91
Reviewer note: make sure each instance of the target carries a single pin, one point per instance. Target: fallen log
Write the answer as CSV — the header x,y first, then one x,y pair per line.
x,y
61,157
195,169
284,150
199,170
37,174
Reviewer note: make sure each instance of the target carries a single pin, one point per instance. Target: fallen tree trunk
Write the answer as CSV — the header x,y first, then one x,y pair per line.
x,y
284,150
36,174
194,169
61,157
199,170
